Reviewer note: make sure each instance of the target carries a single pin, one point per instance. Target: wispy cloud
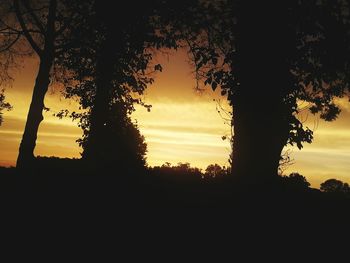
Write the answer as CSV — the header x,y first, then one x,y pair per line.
x,y
183,126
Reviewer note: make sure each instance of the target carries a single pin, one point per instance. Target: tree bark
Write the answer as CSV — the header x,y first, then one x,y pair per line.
x,y
260,116
97,139
259,137
25,157
35,116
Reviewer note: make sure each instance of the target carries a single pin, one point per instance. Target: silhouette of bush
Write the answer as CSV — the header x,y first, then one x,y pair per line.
x,y
3,105
296,181
53,163
215,170
335,186
180,172
124,145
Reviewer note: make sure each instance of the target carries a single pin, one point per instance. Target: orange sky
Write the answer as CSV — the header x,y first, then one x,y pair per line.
x,y
183,126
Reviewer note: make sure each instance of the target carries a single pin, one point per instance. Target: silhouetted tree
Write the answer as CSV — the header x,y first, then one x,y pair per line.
x,y
166,165
335,186
109,71
44,25
9,37
181,171
215,170
297,181
185,168
266,56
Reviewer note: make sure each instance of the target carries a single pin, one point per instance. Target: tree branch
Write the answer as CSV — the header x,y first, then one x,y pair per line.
x,y
8,46
26,33
51,18
34,16
8,27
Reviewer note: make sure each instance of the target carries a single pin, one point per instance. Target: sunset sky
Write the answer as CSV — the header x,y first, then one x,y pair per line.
x,y
183,125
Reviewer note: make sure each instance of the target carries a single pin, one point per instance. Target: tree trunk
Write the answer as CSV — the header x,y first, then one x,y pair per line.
x,y
260,115
26,150
259,137
97,139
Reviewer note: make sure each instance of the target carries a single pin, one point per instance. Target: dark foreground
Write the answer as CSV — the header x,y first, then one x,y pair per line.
x,y
143,189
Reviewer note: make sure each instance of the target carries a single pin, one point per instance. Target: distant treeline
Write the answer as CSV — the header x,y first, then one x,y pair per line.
x,y
182,173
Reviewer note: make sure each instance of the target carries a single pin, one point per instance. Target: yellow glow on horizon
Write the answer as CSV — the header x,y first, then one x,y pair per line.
x,y
177,133
183,126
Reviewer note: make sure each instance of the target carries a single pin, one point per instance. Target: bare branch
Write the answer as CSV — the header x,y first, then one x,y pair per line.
x,y
34,16
8,46
26,33
8,27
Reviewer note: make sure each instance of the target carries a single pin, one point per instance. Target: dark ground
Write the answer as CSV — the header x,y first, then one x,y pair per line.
x,y
61,182
167,211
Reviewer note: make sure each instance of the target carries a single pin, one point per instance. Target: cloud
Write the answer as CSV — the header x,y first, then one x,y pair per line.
x,y
188,131
183,125
327,157
54,139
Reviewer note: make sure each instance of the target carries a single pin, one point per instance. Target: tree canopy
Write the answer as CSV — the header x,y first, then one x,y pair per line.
x,y
267,57
335,186
40,27
109,72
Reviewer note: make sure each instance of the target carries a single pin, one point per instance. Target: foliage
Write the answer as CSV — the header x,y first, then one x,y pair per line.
x,y
215,170
296,181
9,37
24,31
132,36
12,43
335,186
179,167
181,171
186,170
29,26
317,55
285,161
3,105
113,58
41,27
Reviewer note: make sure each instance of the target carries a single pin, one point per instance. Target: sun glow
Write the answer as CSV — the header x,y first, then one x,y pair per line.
x,y
182,126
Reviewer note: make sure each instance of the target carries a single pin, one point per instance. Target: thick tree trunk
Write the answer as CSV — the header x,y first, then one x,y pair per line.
x,y
259,137
35,116
97,140
260,115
